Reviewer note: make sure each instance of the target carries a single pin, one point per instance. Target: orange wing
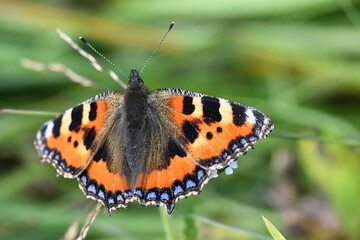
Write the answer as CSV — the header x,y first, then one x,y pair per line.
x,y
98,183
69,141
202,134
181,178
205,134
216,131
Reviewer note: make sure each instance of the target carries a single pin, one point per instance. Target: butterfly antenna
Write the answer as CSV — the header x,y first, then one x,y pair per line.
x,y
101,55
157,47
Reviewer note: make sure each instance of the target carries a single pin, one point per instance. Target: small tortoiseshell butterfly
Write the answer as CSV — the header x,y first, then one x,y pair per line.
x,y
154,147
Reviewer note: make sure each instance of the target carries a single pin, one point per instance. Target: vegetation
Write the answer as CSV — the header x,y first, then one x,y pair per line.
x,y
298,61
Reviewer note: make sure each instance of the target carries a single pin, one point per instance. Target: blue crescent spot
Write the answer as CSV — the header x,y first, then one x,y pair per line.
x,y
119,198
253,139
128,194
111,201
151,195
51,153
83,180
200,174
62,164
178,189
139,193
101,194
91,189
234,146
190,184
165,196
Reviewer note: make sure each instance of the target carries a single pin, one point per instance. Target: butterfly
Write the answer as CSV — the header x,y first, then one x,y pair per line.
x,y
154,147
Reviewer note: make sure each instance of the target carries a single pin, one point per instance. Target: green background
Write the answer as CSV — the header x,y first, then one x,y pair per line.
x,y
298,61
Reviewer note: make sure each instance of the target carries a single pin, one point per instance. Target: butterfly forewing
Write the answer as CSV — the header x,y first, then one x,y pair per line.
x,y
216,130
69,140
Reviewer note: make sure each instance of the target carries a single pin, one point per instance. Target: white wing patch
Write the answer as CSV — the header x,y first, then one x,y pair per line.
x,y
250,117
49,129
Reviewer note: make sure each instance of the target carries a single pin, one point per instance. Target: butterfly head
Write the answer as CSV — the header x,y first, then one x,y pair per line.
x,y
135,82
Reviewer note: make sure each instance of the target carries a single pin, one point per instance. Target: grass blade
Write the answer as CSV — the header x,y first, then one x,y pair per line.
x,y
273,230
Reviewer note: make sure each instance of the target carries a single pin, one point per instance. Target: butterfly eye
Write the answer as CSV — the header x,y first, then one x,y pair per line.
x,y
141,82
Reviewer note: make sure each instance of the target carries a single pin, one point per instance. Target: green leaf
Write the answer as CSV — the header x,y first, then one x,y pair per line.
x,y
273,230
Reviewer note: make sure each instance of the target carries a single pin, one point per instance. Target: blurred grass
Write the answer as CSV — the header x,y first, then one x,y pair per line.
x,y
298,61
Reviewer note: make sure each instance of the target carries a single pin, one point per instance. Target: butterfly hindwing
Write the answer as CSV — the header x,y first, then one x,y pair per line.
x,y
181,178
97,182
168,173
